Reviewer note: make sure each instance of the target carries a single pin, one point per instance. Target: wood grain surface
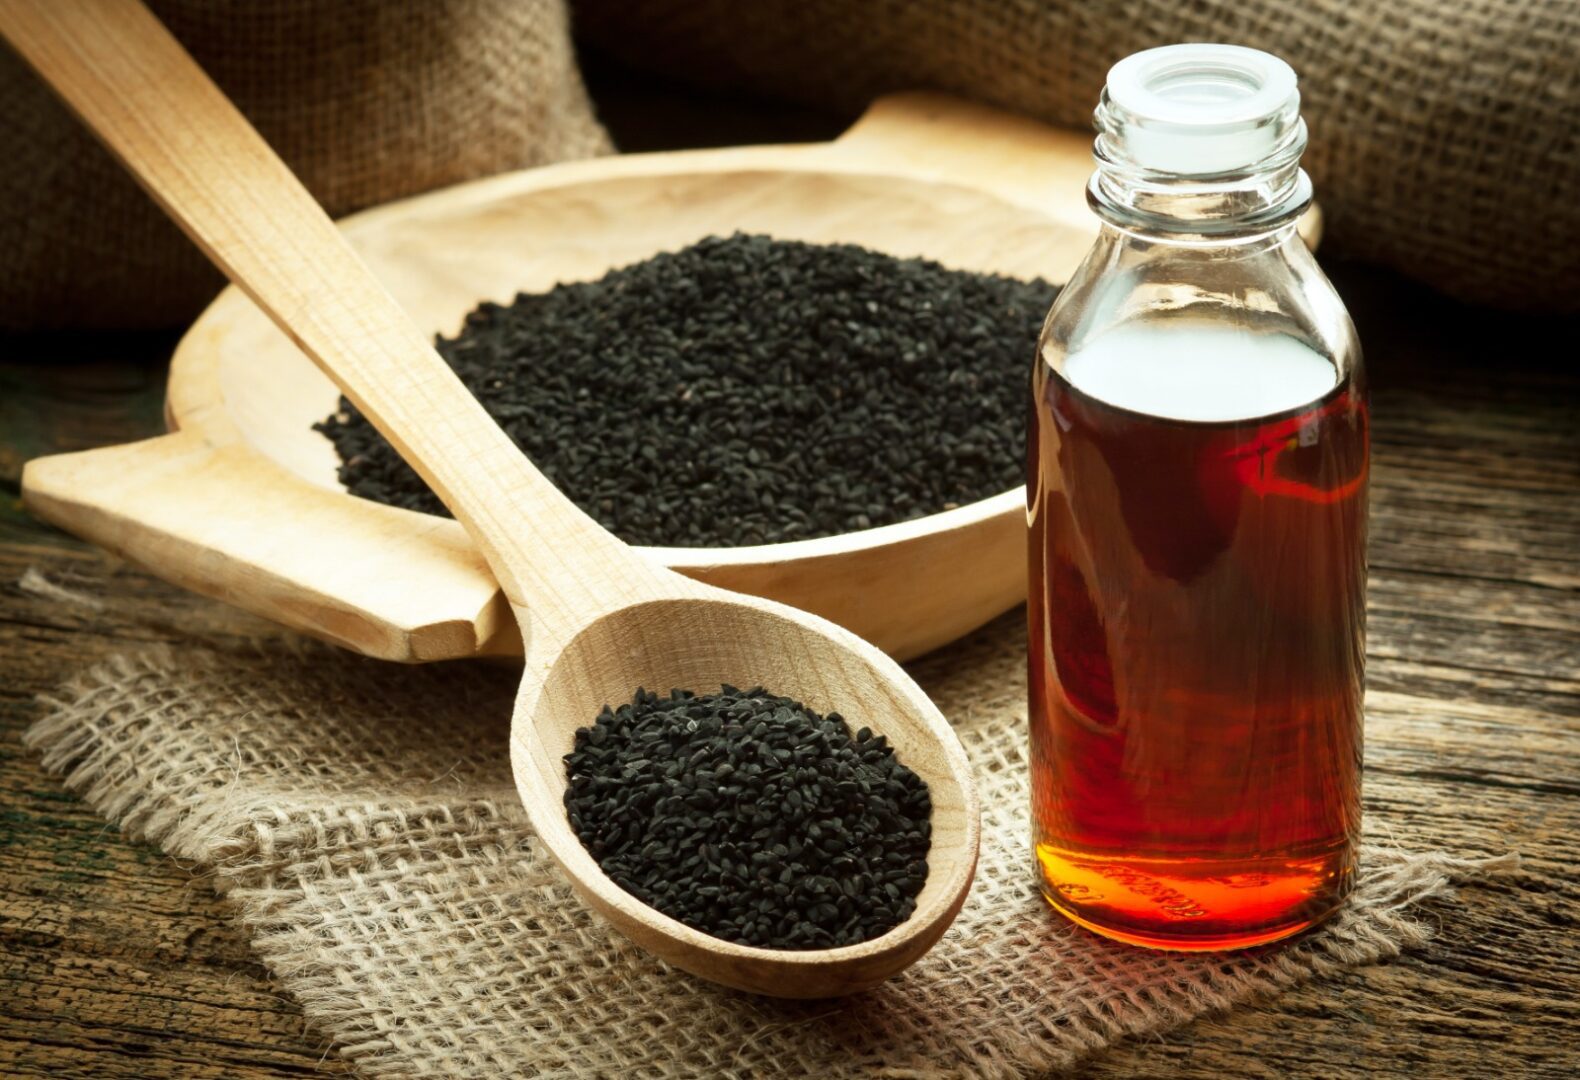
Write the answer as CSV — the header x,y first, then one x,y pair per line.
x,y
117,961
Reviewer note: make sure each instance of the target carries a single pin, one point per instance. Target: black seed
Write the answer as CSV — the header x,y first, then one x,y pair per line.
x,y
783,861
831,388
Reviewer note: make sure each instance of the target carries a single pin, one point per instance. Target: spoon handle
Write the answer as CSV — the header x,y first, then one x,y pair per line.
x,y
140,92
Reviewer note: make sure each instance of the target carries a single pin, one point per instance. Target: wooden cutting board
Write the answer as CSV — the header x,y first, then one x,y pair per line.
x,y
240,501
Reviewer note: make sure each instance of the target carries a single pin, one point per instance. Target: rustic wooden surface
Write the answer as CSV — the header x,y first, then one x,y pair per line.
x,y
118,961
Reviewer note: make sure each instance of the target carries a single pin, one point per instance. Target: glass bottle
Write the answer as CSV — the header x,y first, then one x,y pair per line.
x,y
1197,502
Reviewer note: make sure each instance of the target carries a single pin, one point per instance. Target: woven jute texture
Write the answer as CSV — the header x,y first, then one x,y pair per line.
x,y
367,101
1443,135
362,820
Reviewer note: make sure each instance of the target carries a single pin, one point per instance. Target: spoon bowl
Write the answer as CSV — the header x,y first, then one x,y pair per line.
x,y
699,642
597,619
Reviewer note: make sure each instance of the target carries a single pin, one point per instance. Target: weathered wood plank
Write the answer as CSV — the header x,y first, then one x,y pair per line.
x,y
1473,600
117,961
62,392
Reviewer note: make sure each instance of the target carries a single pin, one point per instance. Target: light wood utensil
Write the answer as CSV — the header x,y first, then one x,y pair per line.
x,y
596,618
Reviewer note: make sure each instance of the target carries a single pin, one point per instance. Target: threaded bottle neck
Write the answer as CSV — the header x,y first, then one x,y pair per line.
x,y
1200,140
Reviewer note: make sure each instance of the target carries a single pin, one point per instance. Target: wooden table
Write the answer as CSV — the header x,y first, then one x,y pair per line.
x,y
116,960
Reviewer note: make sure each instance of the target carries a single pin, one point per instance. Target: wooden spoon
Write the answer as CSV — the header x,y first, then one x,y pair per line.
x,y
597,619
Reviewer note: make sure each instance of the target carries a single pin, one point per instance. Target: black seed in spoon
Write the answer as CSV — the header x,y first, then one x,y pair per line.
x,y
750,817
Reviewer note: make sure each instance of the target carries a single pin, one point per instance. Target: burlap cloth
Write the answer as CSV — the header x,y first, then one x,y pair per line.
x,y
367,101
361,818
1444,139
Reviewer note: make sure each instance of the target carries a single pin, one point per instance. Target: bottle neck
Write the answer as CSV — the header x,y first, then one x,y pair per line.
x,y
1227,200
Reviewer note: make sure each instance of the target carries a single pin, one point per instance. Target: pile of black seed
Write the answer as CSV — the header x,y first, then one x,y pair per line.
x,y
747,390
751,818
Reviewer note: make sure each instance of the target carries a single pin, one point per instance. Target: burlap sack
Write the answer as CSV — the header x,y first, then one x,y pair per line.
x,y
367,101
1445,137
362,819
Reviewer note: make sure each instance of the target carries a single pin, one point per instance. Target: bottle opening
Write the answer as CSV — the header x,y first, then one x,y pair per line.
x,y
1197,110
1211,85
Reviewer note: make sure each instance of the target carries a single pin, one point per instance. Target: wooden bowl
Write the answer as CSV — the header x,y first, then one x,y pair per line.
x,y
241,502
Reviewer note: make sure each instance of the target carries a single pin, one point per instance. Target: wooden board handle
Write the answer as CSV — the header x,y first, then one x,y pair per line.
x,y
1015,157
209,519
